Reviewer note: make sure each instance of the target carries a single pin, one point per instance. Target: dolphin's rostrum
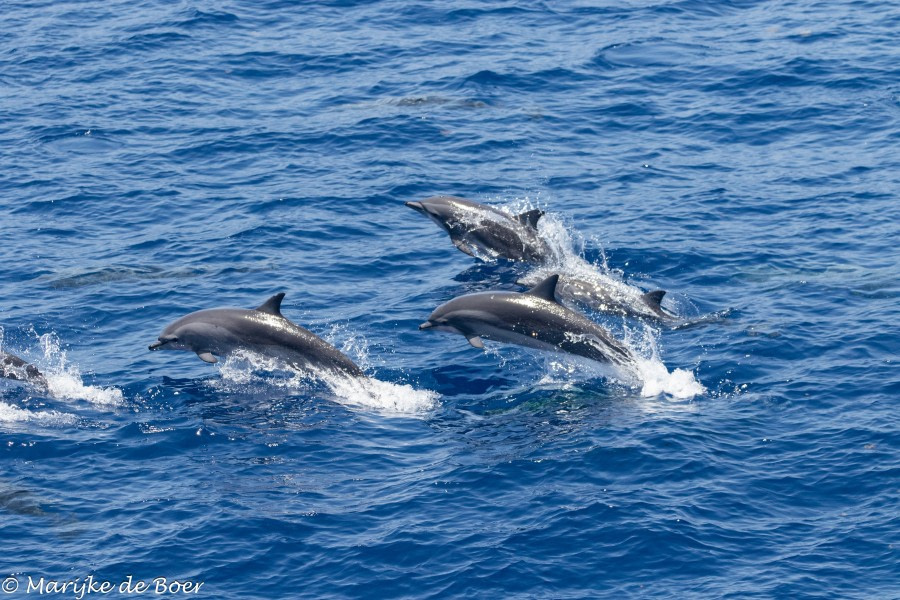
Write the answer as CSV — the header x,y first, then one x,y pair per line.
x,y
264,330
485,232
534,319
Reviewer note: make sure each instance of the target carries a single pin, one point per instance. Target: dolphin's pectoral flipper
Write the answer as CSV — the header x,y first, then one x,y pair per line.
x,y
546,289
272,306
475,341
530,218
463,246
207,357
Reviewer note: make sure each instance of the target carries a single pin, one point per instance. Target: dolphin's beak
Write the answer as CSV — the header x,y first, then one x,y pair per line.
x,y
426,325
417,206
156,345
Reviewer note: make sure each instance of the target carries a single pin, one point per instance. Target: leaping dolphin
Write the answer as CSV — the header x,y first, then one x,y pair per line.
x,y
485,232
13,367
534,319
264,330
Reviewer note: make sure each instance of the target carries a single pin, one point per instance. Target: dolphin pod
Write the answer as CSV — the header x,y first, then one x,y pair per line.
x,y
486,233
534,318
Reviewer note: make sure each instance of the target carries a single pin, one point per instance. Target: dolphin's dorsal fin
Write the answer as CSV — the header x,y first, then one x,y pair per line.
x,y
546,289
654,298
530,218
272,305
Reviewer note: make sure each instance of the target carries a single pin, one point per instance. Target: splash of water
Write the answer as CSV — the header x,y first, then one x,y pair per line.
x,y
655,379
246,368
648,372
64,379
384,396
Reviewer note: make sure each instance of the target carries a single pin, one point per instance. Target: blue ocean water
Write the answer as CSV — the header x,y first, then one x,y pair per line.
x,y
163,157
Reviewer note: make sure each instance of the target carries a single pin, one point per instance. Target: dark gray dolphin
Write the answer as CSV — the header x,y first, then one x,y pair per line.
x,y
606,299
264,330
13,367
534,319
485,232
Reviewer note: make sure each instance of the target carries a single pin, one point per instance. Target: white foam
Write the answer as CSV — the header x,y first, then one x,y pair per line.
x,y
653,375
247,368
13,414
383,395
658,380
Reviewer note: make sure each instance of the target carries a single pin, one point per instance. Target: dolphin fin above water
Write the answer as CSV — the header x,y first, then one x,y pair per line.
x,y
654,298
546,289
272,306
530,218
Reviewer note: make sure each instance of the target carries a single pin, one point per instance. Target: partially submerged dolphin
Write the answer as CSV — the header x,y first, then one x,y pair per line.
x,y
13,367
264,330
626,301
534,319
485,232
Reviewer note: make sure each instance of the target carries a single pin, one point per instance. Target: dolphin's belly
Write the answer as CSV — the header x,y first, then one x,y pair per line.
x,y
493,239
508,336
572,333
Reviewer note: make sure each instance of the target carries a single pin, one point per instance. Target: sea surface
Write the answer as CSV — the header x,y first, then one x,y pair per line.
x,y
161,157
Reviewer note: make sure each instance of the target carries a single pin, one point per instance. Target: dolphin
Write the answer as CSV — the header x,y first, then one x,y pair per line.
x,y
13,367
264,330
534,319
626,301
487,233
